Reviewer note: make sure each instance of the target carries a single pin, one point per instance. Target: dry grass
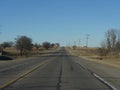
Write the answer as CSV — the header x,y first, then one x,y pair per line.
x,y
85,51
15,54
92,53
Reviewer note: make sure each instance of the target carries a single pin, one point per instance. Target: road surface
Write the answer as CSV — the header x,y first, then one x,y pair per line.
x,y
55,71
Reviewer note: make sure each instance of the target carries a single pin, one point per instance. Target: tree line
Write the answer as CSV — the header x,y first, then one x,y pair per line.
x,y
25,44
111,43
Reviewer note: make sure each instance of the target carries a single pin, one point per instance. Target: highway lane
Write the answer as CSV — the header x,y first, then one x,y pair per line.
x,y
13,69
108,73
61,73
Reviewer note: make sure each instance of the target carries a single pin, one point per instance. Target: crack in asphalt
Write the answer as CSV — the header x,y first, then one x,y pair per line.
x,y
59,78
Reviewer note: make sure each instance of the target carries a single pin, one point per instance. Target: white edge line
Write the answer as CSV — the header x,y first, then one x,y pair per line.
x,y
101,79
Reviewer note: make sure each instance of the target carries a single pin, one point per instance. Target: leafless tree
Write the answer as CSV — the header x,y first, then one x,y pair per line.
x,y
46,45
103,50
37,46
111,39
24,44
118,42
7,44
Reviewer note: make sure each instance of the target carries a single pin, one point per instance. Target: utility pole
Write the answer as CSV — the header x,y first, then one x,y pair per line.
x,y
79,42
87,39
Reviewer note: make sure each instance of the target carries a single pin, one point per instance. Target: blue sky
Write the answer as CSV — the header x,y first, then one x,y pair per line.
x,y
63,21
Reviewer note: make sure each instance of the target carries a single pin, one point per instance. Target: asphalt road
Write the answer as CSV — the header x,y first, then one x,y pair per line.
x,y
56,71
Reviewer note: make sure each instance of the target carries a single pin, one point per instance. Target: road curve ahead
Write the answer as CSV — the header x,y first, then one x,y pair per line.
x,y
61,73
